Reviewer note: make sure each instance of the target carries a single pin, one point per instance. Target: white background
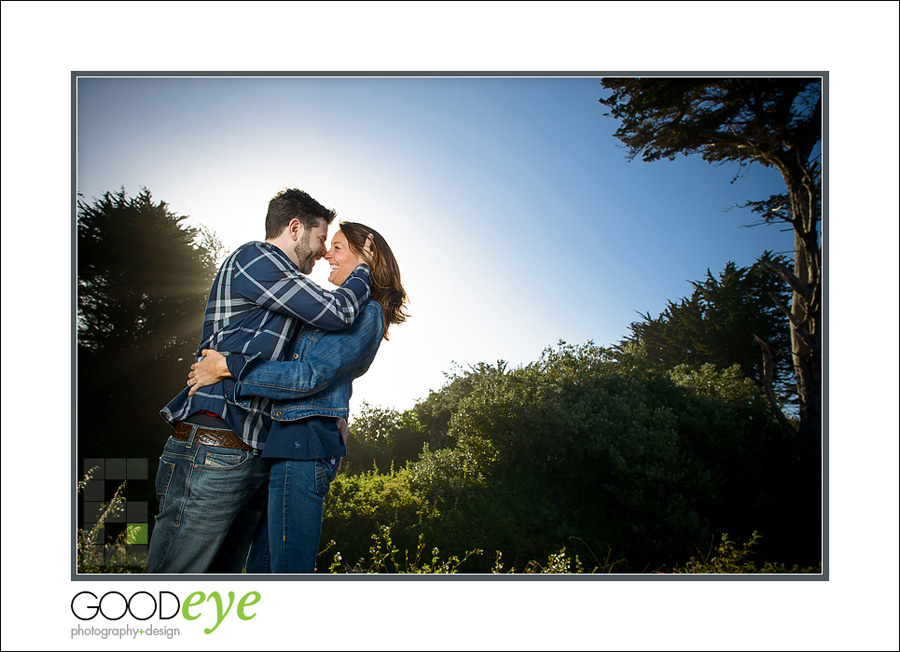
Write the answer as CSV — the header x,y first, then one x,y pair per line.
x,y
856,42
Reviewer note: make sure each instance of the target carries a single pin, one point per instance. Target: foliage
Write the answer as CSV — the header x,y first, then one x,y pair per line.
x,y
138,266
583,449
385,559
561,561
449,473
719,324
434,413
143,280
383,438
557,562
727,557
742,120
92,555
359,505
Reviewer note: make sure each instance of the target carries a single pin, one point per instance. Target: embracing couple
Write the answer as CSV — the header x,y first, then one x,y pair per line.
x,y
261,428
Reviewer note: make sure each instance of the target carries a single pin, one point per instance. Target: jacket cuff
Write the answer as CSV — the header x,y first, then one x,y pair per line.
x,y
360,270
237,364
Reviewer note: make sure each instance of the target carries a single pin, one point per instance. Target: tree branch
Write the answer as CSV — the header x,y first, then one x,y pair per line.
x,y
767,383
788,277
798,327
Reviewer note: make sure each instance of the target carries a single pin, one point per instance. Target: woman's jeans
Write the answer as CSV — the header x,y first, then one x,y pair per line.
x,y
287,540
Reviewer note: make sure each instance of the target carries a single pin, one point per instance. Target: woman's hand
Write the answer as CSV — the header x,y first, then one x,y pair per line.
x,y
210,370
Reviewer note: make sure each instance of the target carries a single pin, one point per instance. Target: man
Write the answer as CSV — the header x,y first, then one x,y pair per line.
x,y
211,483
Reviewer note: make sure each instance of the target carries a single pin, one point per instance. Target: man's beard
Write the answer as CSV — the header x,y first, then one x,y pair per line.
x,y
306,257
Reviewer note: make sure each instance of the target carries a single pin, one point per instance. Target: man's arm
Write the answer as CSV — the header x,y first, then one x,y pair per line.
x,y
264,276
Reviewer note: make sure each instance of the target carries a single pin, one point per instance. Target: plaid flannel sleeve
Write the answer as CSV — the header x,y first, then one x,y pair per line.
x,y
267,278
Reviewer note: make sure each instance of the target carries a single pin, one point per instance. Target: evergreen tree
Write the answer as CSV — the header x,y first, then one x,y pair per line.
x,y
143,281
723,323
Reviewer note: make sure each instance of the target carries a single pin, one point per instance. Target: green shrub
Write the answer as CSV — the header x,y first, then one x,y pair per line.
x,y
727,557
384,557
577,446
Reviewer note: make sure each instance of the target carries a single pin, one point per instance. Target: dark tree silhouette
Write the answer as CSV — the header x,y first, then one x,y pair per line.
x,y
143,281
773,122
721,323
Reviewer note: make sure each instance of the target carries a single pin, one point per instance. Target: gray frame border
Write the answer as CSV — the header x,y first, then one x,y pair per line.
x,y
823,576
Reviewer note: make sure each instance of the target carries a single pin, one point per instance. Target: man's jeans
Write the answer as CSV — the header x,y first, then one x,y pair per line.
x,y
211,499
287,541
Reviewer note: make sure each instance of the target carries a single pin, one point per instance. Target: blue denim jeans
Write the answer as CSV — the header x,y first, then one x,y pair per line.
x,y
287,541
211,499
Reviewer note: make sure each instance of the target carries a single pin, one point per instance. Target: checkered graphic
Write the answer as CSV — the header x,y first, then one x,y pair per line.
x,y
132,522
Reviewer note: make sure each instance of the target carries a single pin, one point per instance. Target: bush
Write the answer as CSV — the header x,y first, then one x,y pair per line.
x,y
385,558
578,447
729,558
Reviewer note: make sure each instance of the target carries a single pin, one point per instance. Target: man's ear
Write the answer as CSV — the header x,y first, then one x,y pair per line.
x,y
295,229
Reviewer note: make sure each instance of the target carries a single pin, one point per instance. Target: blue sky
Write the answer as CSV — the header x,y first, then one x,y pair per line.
x,y
514,213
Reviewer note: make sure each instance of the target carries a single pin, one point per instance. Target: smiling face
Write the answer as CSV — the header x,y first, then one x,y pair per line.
x,y
342,260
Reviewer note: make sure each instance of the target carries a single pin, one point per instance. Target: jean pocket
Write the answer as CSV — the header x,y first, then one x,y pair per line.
x,y
176,450
222,458
163,478
326,470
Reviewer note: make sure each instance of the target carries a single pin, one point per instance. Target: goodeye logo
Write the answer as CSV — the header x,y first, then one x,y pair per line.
x,y
143,606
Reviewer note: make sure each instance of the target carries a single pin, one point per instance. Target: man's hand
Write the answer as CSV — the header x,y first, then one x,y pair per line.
x,y
342,428
210,370
345,433
367,255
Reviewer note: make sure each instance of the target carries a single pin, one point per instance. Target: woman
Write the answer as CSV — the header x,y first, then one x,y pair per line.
x,y
311,393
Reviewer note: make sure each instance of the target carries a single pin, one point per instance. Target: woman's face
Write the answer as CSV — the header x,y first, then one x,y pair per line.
x,y
342,260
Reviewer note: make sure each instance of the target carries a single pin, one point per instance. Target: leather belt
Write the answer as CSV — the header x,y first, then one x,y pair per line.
x,y
209,436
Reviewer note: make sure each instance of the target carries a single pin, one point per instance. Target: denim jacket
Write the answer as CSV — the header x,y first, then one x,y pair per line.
x,y
317,378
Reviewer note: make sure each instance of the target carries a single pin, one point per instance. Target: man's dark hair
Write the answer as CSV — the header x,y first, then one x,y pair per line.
x,y
293,203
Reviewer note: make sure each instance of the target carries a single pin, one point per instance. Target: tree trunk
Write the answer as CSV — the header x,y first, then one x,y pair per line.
x,y
806,347
806,309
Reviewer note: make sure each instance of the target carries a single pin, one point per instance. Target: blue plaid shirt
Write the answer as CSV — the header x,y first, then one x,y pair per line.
x,y
255,306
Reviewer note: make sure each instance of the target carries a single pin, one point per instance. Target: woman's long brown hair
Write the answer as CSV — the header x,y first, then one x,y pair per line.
x,y
387,289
